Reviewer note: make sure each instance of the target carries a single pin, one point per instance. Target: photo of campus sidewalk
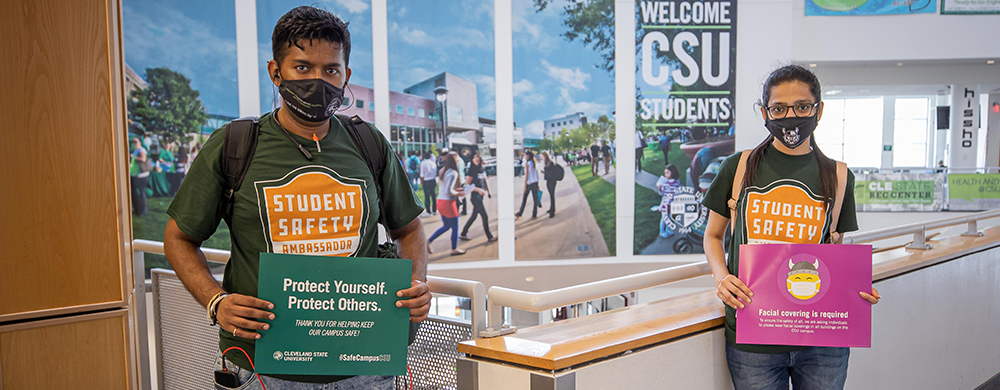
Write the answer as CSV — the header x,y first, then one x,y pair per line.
x,y
584,224
477,248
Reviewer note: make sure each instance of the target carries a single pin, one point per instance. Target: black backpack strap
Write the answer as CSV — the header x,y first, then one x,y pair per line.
x,y
369,148
237,151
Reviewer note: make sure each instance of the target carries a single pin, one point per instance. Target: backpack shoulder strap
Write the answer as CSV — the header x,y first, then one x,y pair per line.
x,y
838,202
741,170
237,150
369,148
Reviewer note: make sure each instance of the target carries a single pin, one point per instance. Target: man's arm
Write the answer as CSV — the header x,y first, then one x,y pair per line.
x,y
235,313
413,245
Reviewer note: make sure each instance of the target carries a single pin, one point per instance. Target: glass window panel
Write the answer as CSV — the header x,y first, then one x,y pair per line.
x,y
909,131
832,150
911,108
833,110
863,155
909,155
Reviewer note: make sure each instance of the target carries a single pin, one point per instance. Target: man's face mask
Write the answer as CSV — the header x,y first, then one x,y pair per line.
x,y
791,131
312,100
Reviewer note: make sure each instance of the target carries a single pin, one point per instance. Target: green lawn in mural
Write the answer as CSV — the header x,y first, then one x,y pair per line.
x,y
601,197
151,225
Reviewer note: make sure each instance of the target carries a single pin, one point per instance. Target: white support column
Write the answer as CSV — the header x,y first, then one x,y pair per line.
x,y
380,64
888,128
247,67
964,133
504,67
625,126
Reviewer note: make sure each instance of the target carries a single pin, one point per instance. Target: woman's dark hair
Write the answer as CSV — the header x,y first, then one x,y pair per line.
x,y
473,160
530,155
674,174
309,23
450,162
827,167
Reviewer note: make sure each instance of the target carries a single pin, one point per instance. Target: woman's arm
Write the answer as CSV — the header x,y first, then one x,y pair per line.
x,y
726,284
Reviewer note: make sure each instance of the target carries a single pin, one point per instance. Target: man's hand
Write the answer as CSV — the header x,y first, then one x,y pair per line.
x,y
237,314
419,302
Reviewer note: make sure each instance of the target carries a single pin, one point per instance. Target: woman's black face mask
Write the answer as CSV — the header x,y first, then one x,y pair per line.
x,y
792,131
312,100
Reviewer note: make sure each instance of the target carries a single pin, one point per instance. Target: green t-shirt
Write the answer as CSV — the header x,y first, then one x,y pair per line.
x,y
288,204
783,205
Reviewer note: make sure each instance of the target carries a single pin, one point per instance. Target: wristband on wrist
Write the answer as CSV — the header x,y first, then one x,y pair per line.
x,y
719,283
213,306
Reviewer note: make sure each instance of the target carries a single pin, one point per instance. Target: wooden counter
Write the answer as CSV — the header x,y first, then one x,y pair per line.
x,y
580,340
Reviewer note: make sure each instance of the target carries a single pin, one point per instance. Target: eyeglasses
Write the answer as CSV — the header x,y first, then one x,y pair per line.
x,y
800,110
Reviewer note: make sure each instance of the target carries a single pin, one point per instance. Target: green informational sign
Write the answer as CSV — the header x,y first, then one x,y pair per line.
x,y
333,315
973,191
894,192
899,191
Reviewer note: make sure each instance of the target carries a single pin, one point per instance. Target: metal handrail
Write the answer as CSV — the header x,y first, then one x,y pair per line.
x,y
148,246
500,297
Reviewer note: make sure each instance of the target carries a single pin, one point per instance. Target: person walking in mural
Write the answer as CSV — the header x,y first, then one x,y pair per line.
x,y
428,176
475,179
667,184
141,167
447,205
552,173
413,169
531,184
606,155
665,139
595,159
787,168
640,143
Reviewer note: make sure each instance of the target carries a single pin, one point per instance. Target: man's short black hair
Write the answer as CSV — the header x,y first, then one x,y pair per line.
x,y
307,23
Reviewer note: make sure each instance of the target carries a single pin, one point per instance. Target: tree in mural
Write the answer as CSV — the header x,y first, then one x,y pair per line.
x,y
169,108
580,137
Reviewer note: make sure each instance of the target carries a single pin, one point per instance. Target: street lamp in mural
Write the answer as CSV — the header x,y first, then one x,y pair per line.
x,y
441,95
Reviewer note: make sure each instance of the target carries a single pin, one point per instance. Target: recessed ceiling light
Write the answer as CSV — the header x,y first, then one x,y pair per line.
x,y
529,279
899,64
833,92
991,62
812,65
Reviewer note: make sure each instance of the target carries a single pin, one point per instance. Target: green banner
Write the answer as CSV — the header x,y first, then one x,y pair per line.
x,y
973,191
894,192
899,191
333,316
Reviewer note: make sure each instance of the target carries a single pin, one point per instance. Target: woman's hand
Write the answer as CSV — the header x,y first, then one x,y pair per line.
x,y
873,298
730,285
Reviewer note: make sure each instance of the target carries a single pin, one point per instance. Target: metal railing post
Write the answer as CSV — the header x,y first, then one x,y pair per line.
x,y
142,328
495,317
973,230
919,240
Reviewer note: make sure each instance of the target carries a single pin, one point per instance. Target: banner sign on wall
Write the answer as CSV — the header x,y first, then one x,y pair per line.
x,y
869,7
970,7
806,294
973,191
964,134
333,316
686,81
899,192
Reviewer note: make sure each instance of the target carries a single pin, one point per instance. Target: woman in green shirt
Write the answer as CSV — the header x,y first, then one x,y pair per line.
x,y
788,161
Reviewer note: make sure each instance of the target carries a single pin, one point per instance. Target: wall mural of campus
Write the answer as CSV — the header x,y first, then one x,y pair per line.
x,y
441,55
180,77
564,140
685,89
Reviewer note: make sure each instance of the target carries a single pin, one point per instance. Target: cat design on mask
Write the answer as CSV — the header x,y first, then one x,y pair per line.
x,y
791,132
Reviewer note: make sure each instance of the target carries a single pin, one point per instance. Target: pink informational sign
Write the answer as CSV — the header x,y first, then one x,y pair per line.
x,y
806,294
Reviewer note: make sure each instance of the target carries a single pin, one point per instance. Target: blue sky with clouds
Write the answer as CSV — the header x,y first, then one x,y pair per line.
x,y
455,36
552,76
195,38
357,13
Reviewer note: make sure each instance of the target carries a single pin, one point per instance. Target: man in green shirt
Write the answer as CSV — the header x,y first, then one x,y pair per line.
x,y
307,190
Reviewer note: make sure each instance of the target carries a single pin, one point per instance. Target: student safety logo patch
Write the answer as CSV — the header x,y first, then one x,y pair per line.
x,y
784,212
314,211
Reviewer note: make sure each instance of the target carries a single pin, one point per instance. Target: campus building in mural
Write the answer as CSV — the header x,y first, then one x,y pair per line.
x,y
558,126
415,115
